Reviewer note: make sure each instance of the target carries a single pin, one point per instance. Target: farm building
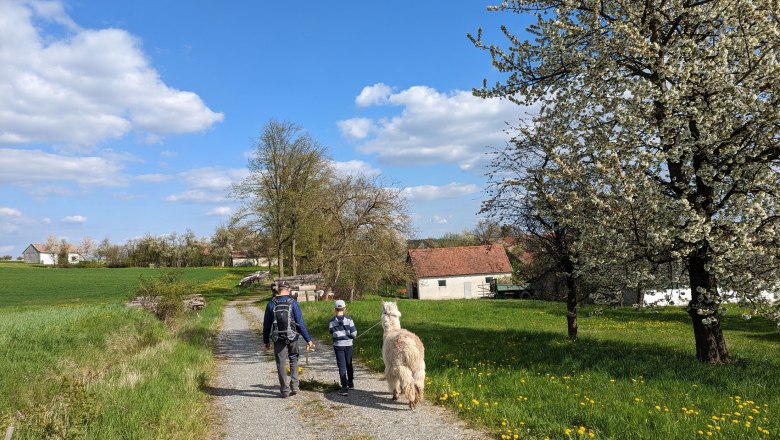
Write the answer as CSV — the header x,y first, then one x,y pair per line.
x,y
242,259
456,272
38,253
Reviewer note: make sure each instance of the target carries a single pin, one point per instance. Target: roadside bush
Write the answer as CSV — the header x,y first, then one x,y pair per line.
x,y
166,294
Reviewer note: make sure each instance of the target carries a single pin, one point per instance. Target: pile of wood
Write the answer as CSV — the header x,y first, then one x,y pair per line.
x,y
304,287
253,278
149,303
194,302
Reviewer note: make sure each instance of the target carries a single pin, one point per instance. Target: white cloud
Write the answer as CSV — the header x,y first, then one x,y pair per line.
x,y
46,221
11,220
433,127
220,211
6,249
74,219
29,168
207,185
9,212
433,192
439,220
85,87
377,94
356,168
356,128
153,178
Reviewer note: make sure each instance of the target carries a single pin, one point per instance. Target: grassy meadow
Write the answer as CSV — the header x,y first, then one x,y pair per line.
x,y
76,363
507,366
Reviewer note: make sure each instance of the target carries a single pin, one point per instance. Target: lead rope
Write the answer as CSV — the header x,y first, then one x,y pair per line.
x,y
363,333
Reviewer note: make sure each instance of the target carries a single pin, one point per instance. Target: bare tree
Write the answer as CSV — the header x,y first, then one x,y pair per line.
x,y
286,169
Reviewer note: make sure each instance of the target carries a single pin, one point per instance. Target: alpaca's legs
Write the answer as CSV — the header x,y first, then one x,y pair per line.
x,y
392,382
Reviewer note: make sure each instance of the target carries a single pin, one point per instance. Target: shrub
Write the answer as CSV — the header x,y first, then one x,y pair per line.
x,y
165,294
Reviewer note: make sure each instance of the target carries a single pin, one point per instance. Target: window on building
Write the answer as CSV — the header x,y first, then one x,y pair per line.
x,y
488,279
442,283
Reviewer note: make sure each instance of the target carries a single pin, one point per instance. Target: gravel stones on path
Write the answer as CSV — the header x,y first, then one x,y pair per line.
x,y
247,397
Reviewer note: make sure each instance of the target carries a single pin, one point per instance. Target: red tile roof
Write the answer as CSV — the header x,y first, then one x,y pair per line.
x,y
465,260
42,248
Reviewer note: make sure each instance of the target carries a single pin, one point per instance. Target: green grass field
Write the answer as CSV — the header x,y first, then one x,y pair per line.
x,y
76,363
506,365
24,285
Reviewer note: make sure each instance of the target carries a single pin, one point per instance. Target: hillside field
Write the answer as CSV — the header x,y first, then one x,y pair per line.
x,y
507,366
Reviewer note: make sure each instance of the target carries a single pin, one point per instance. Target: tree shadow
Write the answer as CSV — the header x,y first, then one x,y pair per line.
x,y
257,390
368,399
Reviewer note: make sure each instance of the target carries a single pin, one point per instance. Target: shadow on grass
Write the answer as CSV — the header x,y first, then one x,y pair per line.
x,y
547,352
732,321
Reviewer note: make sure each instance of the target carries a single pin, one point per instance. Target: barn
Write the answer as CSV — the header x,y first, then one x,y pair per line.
x,y
38,253
456,272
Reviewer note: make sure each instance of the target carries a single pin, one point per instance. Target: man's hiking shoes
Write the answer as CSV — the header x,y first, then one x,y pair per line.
x,y
344,391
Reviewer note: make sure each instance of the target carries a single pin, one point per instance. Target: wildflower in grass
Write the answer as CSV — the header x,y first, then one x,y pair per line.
x,y
567,431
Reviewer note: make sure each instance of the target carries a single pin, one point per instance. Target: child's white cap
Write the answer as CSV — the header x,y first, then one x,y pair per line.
x,y
340,304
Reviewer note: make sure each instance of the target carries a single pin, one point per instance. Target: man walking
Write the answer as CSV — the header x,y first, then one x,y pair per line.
x,y
282,324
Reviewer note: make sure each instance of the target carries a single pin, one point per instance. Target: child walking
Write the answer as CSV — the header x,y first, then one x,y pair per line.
x,y
343,331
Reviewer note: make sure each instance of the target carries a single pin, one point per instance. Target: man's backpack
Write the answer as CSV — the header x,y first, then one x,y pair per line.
x,y
283,327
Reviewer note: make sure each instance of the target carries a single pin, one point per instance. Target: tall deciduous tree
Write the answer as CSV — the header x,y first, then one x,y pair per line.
x,y
669,109
286,170
367,224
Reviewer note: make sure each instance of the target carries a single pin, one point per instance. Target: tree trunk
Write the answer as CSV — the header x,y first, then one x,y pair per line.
x,y
294,262
280,256
710,344
571,298
337,273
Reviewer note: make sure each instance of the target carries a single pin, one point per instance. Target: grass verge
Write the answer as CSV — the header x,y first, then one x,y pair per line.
x,y
76,363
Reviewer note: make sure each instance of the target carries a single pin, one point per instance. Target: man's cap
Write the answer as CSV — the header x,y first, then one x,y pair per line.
x,y
340,304
282,285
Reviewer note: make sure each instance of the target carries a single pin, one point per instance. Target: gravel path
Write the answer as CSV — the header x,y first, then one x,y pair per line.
x,y
247,395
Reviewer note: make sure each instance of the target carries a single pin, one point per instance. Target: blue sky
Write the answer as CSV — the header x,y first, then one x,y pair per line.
x,y
120,119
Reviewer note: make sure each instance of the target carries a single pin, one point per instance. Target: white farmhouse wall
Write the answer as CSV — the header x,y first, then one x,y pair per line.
x,y
455,288
47,258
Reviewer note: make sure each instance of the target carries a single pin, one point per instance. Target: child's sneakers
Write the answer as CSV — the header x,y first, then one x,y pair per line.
x,y
344,391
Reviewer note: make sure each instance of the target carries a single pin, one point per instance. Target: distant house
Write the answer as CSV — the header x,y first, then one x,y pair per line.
x,y
242,259
456,272
38,253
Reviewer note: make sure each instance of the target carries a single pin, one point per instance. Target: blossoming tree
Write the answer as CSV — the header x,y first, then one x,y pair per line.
x,y
666,114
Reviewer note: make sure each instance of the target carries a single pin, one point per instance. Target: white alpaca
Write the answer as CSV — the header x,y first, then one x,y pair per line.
x,y
404,356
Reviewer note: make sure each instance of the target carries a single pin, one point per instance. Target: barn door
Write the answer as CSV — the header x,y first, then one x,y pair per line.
x,y
467,290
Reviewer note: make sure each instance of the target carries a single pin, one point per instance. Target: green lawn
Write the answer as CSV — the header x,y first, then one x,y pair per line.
x,y
76,363
507,366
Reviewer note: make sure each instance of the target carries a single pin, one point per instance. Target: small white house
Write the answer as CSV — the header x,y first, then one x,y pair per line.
x,y
456,272
38,253
242,259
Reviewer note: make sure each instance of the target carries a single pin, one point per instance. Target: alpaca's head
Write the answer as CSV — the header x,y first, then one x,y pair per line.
x,y
390,315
